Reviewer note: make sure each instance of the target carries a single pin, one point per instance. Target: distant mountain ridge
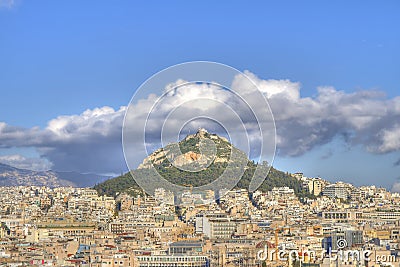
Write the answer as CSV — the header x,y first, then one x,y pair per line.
x,y
165,161
11,176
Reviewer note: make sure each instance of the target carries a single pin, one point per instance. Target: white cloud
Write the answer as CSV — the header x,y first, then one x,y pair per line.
x,y
88,142
363,117
390,139
91,141
99,121
272,88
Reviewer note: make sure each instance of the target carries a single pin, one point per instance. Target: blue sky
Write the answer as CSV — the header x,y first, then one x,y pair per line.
x,y
62,58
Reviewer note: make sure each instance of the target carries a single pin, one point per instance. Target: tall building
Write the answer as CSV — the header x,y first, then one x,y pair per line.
x,y
338,190
315,186
216,226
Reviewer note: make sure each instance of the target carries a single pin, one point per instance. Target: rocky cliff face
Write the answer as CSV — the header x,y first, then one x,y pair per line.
x,y
201,148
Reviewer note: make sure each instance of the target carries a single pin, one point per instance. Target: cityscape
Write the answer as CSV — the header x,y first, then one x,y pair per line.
x,y
199,133
66,226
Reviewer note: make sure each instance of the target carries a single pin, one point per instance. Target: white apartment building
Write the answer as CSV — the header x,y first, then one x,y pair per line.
x,y
338,190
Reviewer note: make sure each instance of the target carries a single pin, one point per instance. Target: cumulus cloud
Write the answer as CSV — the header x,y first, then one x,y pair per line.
x,y
390,139
88,142
91,141
363,117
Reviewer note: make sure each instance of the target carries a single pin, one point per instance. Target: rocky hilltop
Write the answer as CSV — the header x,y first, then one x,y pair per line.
x,y
209,154
187,152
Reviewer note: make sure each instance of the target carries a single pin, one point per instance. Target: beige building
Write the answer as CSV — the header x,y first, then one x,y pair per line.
x,y
315,186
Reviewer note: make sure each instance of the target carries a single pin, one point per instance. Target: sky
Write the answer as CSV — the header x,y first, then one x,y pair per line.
x,y
330,71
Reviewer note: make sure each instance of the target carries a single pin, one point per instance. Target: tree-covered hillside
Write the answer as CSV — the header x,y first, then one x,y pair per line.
x,y
275,178
225,154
